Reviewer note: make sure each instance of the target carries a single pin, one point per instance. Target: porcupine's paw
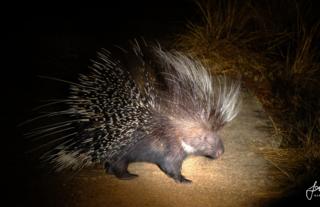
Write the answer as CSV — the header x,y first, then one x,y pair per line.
x,y
126,176
108,169
121,173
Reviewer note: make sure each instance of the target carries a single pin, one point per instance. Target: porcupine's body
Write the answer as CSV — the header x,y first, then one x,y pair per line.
x,y
115,119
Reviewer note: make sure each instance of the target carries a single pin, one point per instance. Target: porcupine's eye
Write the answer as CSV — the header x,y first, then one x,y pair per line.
x,y
209,138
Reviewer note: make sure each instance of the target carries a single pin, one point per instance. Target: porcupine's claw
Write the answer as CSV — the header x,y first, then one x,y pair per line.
x,y
183,179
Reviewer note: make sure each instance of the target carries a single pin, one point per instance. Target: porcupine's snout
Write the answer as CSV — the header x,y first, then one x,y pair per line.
x,y
208,144
219,149
215,147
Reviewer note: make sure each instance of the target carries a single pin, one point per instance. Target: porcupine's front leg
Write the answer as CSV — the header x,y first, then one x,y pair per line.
x,y
120,170
173,170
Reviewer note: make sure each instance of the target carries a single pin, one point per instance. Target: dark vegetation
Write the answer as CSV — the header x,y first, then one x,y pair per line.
x,y
274,46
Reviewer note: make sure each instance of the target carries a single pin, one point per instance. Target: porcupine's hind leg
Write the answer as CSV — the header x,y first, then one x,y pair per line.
x,y
120,170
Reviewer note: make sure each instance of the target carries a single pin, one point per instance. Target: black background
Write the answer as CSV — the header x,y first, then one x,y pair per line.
x,y
59,41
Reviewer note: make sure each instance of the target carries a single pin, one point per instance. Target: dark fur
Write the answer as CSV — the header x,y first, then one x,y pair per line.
x,y
167,153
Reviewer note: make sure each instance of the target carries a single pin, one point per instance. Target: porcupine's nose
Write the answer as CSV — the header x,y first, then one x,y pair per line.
x,y
220,149
219,152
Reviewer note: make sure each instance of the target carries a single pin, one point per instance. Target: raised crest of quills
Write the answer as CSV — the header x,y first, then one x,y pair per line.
x,y
159,107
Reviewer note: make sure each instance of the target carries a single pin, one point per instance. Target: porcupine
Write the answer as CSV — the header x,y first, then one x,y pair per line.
x,y
173,108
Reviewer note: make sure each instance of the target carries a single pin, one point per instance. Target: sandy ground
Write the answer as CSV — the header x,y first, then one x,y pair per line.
x,y
241,177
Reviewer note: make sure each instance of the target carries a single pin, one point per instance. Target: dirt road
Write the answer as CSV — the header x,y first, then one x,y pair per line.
x,y
241,177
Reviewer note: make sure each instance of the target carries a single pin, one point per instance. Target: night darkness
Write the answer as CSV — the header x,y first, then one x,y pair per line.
x,y
59,43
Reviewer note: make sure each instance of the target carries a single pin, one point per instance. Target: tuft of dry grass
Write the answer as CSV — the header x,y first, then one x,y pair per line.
x,y
232,39
276,55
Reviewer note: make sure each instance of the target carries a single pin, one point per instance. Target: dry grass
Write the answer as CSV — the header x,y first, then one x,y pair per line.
x,y
276,55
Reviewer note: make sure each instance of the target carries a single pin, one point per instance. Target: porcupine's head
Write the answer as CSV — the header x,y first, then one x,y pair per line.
x,y
198,105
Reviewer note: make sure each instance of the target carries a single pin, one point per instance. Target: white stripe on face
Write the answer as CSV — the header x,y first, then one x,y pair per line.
x,y
187,148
